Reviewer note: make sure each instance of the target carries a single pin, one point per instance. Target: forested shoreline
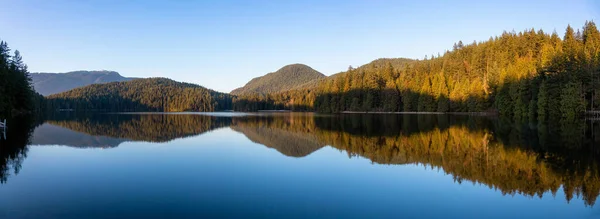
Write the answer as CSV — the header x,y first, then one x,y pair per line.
x,y
16,93
530,75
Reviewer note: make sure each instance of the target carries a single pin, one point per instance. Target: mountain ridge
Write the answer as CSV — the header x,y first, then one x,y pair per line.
x,y
286,78
47,83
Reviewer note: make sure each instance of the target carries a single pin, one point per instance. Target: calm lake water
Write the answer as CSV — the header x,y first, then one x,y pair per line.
x,y
297,165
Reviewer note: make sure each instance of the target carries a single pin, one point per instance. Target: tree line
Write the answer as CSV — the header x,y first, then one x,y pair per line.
x,y
527,75
16,93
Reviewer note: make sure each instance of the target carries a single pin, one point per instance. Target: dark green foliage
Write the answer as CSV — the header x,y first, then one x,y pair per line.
x,y
571,103
16,93
542,102
152,94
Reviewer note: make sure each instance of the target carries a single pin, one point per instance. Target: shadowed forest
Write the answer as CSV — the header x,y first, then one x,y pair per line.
x,y
530,160
16,92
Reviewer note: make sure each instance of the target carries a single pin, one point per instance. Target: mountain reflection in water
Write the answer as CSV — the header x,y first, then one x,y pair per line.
x,y
526,159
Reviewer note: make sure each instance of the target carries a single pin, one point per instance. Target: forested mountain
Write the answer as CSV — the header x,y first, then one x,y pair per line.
x,y
526,75
152,94
53,83
287,78
16,93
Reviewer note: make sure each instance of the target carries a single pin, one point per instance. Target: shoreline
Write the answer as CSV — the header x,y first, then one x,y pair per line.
x,y
424,113
291,111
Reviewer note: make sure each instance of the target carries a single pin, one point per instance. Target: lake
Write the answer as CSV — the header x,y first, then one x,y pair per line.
x,y
297,165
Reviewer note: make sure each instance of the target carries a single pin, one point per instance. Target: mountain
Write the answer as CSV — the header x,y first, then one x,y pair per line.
x,y
151,94
287,78
53,83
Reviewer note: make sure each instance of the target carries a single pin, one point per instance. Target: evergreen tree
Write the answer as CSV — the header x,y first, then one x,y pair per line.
x,y
542,102
570,101
16,92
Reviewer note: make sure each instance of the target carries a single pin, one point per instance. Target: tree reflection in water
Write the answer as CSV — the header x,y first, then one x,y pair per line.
x,y
527,159
13,148
515,159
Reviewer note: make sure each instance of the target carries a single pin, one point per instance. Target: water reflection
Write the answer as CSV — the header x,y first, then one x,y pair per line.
x,y
516,159
110,130
13,146
527,159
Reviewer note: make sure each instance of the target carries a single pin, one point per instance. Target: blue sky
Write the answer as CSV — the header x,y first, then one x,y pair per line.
x,y
223,44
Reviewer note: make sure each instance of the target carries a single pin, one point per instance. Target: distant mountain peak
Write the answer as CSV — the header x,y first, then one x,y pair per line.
x,y
286,78
53,83
295,65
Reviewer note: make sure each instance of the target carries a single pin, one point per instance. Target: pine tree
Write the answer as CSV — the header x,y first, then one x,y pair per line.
x,y
542,103
591,41
571,104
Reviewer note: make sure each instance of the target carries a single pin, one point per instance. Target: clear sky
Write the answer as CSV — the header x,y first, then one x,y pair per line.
x,y
223,44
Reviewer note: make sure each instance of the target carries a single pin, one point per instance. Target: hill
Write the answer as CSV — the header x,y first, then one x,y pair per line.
x,y
53,83
151,94
286,78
